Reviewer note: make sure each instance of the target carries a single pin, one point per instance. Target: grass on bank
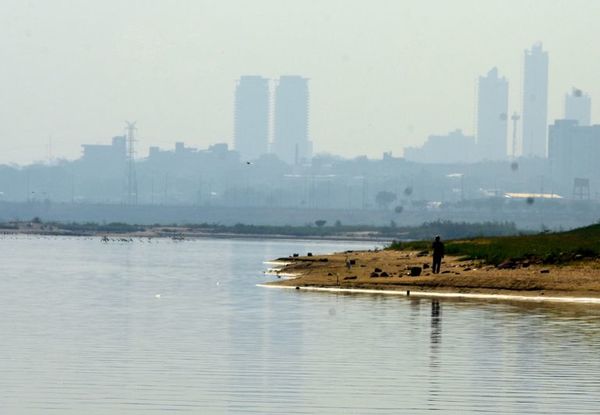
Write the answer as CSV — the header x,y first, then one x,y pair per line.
x,y
547,248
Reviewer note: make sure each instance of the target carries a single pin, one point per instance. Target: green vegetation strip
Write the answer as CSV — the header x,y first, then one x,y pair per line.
x,y
447,228
547,248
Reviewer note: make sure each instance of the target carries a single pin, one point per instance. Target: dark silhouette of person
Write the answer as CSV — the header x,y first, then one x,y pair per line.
x,y
438,254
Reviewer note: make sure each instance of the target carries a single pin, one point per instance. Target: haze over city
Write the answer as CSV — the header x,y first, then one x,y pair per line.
x,y
316,206
383,76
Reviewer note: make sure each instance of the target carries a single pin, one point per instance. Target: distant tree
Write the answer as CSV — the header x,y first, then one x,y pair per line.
x,y
398,209
338,223
320,223
384,199
36,220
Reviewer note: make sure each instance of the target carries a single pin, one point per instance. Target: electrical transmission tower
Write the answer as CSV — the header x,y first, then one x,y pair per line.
x,y
132,194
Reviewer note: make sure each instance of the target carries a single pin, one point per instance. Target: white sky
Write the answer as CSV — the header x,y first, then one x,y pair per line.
x,y
384,73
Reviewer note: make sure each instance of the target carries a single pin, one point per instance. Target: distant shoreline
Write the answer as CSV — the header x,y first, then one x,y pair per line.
x,y
194,235
316,231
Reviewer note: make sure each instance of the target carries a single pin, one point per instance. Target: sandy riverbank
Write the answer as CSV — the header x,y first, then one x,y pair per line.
x,y
389,270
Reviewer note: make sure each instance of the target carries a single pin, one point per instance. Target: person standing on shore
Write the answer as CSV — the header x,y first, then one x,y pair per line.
x,y
438,254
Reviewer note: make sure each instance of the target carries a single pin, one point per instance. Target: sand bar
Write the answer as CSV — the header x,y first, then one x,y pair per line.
x,y
388,272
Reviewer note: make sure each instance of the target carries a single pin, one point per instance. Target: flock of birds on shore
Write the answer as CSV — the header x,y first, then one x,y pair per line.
x,y
148,239
103,239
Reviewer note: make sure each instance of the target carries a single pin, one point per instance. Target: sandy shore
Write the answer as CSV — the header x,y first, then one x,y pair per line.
x,y
390,270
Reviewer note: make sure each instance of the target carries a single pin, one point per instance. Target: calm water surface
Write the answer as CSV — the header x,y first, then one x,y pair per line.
x,y
168,327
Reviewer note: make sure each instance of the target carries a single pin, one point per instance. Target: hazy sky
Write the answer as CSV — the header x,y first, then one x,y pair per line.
x,y
384,74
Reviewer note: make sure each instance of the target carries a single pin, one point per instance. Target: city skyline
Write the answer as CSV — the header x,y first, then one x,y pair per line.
x,y
400,72
257,125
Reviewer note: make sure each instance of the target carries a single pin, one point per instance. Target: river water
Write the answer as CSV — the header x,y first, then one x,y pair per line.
x,y
181,327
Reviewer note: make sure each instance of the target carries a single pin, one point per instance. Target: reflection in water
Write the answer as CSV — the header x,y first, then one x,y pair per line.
x,y
434,358
436,324
83,331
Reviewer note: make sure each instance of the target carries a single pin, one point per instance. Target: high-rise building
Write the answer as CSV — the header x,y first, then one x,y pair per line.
x,y
573,153
492,116
535,102
251,119
291,142
578,107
